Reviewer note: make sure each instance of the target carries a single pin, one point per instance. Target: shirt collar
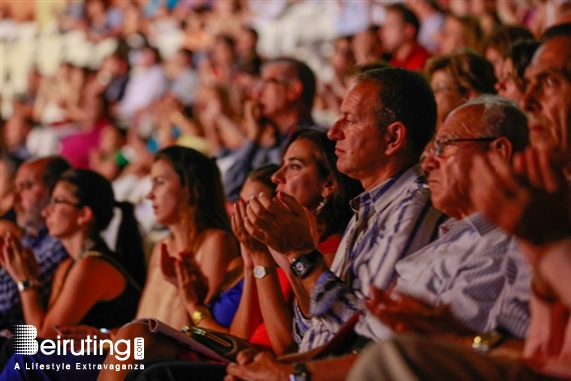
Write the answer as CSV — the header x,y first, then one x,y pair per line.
x,y
32,241
476,220
383,194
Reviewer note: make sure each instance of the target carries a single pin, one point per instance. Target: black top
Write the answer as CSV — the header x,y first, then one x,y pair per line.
x,y
115,312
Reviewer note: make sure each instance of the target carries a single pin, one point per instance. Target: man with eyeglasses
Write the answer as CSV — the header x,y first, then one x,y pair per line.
x,y
33,184
282,101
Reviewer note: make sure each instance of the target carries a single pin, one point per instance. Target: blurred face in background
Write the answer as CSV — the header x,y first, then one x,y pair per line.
x,y
451,37
253,188
507,85
393,33
31,195
342,59
273,89
496,59
446,92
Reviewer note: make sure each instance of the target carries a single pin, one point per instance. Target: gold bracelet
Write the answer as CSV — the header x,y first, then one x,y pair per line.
x,y
199,314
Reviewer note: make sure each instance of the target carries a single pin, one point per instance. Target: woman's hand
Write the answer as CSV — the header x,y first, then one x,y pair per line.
x,y
251,247
192,286
20,262
168,265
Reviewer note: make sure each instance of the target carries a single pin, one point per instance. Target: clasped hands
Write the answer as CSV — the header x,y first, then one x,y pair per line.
x,y
19,261
281,223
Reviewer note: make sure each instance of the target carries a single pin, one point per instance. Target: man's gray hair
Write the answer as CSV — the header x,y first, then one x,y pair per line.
x,y
501,117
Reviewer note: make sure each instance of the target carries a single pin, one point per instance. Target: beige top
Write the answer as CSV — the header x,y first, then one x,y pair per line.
x,y
160,298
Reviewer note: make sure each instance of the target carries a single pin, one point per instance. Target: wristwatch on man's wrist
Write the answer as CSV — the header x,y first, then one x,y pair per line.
x,y
300,372
304,264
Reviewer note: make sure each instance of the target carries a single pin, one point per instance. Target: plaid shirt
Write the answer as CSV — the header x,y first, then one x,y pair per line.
x,y
49,252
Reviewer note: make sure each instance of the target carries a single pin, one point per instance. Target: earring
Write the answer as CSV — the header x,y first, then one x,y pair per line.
x,y
321,205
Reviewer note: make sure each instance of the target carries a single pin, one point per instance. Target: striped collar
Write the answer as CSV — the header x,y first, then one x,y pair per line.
x,y
383,194
476,220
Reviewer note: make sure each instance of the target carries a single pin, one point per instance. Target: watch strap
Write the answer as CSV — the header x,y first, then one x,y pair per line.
x,y
26,285
300,372
304,264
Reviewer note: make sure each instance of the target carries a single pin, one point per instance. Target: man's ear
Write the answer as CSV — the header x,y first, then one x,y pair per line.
x,y
295,88
502,148
409,31
395,138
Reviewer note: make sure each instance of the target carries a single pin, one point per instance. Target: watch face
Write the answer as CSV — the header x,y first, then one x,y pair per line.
x,y
300,266
259,272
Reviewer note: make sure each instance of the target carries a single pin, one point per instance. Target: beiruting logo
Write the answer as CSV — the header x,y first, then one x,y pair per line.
x,y
25,343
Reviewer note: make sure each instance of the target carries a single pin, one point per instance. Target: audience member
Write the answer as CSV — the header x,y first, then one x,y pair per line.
x,y
457,78
8,168
459,32
511,83
33,184
284,102
399,37
500,41
431,22
547,99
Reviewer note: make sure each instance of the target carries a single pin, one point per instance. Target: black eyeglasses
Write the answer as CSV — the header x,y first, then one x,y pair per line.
x,y
59,201
437,147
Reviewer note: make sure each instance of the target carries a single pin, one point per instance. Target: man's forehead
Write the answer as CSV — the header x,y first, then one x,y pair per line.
x,y
275,69
552,56
465,119
359,94
29,172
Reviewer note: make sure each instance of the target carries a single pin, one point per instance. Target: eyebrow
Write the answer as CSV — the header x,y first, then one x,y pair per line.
x,y
296,159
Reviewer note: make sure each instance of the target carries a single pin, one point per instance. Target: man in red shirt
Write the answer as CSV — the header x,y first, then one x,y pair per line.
x,y
399,34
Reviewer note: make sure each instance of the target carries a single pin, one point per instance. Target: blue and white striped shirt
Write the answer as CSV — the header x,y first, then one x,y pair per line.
x,y
477,269
391,221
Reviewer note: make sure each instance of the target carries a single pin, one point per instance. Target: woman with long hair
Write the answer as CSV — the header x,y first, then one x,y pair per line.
x,y
188,199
